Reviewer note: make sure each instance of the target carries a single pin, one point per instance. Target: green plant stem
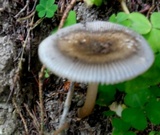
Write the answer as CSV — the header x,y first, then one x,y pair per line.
x,y
124,6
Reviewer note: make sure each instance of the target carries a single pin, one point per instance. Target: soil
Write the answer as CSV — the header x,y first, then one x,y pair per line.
x,y
19,68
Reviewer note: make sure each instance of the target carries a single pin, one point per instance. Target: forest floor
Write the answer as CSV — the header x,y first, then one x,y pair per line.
x,y
17,24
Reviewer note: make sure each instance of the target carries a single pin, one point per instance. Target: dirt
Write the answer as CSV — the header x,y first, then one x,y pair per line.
x,y
19,68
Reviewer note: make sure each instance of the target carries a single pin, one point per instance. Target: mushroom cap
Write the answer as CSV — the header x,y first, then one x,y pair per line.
x,y
96,52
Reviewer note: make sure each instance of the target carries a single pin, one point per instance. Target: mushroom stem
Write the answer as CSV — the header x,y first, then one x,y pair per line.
x,y
124,7
90,101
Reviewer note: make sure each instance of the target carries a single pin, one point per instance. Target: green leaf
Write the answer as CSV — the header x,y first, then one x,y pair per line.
x,y
71,19
46,8
155,90
51,11
49,3
140,23
149,78
109,113
112,18
136,84
153,39
41,13
152,75
120,125
135,117
106,94
137,99
157,61
120,87
155,20
43,2
121,16
117,132
153,111
126,23
154,133
129,133
97,2
40,8
46,73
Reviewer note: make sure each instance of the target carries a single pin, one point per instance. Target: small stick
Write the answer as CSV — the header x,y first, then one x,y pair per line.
x,y
65,14
34,6
151,9
26,41
63,127
37,23
26,17
70,93
23,9
67,104
41,74
20,114
35,121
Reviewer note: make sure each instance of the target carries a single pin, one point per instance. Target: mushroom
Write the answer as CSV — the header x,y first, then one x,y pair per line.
x,y
93,53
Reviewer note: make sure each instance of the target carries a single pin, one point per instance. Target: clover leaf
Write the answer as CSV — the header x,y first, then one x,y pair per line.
x,y
71,19
46,8
153,39
121,18
155,20
93,2
104,91
97,2
140,23
152,111
120,125
136,117
136,21
137,99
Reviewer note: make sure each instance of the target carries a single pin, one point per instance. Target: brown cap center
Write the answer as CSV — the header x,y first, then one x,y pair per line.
x,y
94,47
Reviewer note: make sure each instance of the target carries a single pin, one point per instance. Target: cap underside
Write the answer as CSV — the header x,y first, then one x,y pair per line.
x,y
108,72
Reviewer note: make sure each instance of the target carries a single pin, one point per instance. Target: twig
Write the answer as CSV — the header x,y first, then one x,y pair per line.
x,y
20,114
15,80
26,41
35,121
26,17
61,4
63,127
158,6
150,10
41,74
70,93
35,3
19,68
65,14
23,9
67,104
37,23
71,89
